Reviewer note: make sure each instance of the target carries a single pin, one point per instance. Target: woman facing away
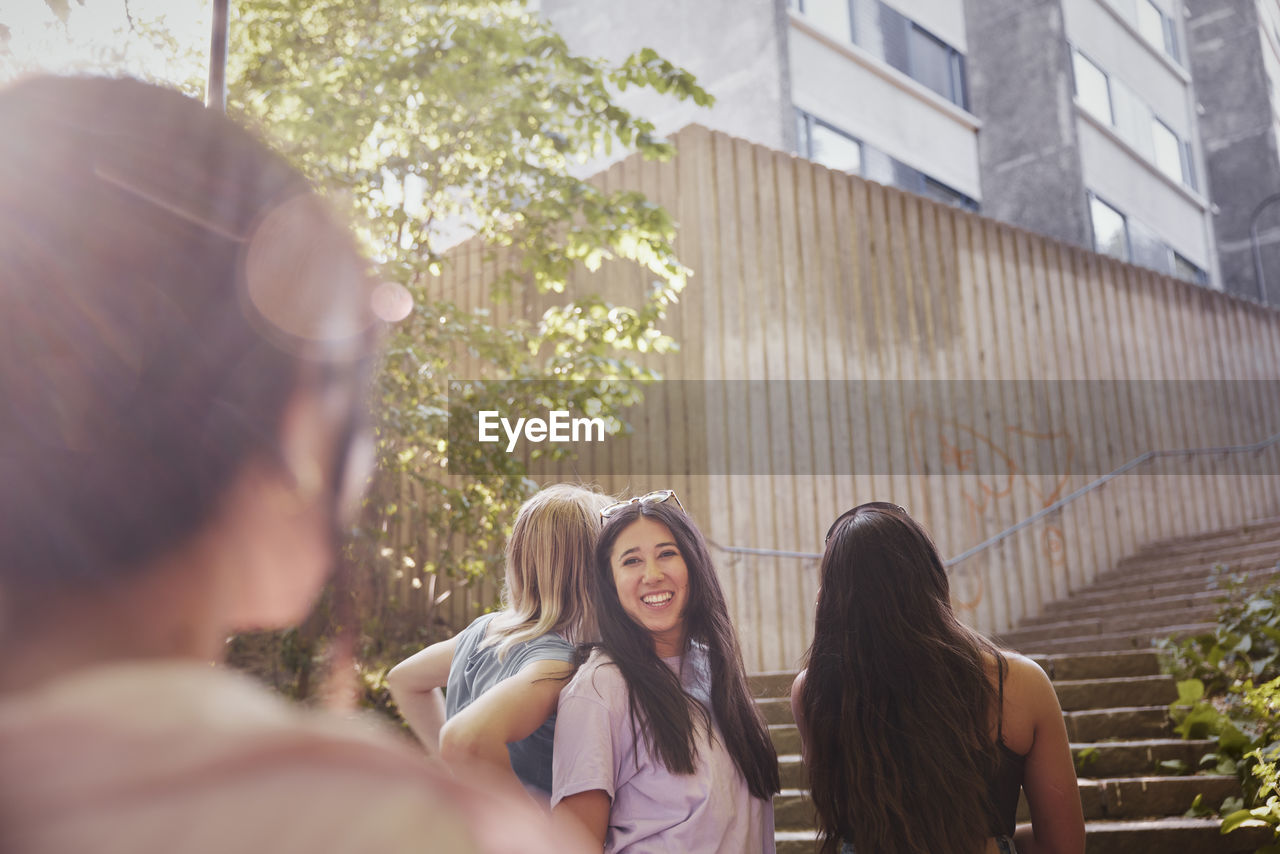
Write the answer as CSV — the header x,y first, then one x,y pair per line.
x,y
917,732
658,745
185,343
504,672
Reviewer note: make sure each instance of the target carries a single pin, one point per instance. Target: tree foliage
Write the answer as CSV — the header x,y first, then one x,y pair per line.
x,y
436,120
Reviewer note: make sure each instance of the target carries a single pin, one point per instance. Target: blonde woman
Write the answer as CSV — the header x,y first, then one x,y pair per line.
x,y
504,672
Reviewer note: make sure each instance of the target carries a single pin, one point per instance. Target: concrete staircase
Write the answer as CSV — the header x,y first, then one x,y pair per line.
x,y
1096,646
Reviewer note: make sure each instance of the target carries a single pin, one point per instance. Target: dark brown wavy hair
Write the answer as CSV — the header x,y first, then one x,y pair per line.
x,y
896,702
661,711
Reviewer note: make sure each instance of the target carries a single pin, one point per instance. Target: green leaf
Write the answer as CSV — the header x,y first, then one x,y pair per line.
x,y
1231,739
1190,691
1238,819
1198,808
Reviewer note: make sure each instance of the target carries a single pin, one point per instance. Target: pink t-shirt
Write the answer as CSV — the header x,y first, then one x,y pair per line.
x,y
653,810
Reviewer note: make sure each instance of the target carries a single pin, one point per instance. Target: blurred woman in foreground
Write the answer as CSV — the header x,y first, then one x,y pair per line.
x,y
918,733
185,341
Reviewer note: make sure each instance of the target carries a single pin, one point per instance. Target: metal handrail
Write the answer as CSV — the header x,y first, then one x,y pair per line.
x,y
1089,487
1040,514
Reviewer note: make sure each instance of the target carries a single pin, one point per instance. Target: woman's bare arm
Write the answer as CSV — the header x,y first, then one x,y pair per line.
x,y
415,685
506,713
1057,822
588,810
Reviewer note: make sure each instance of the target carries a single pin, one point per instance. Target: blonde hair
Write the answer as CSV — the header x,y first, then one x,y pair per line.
x,y
549,560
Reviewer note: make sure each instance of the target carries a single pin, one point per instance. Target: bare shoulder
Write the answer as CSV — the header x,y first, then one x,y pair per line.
x,y
1025,676
797,685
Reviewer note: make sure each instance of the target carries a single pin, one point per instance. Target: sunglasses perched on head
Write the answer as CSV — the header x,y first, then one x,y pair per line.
x,y
658,497
870,505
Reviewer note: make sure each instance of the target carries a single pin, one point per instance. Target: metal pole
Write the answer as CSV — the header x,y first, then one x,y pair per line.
x,y
216,99
1259,274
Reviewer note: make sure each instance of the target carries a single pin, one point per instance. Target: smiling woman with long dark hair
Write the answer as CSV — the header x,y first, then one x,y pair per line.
x,y
658,745
919,733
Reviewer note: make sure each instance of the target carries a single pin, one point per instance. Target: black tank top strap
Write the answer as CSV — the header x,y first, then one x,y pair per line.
x,y
1000,699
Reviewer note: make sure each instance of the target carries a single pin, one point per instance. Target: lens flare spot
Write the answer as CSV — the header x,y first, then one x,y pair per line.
x,y
391,302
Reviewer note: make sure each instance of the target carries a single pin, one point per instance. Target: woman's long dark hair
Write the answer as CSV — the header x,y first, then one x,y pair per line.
x,y
660,708
897,702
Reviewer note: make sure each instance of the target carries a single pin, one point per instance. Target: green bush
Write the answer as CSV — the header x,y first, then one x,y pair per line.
x,y
1245,644
1229,691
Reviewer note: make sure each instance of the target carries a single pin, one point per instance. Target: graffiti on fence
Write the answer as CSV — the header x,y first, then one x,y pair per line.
x,y
996,463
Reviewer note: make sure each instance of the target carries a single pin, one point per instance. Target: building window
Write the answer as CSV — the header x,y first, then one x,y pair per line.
x,y
1158,28
1093,88
1110,230
1188,272
1121,237
829,15
1172,154
937,65
1147,249
835,149
1120,108
894,38
822,143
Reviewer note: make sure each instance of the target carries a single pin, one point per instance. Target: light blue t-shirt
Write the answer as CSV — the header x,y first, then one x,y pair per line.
x,y
475,670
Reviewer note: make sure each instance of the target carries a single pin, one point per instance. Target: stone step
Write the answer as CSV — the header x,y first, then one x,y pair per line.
x,y
1168,835
1085,665
1138,757
785,738
776,710
1116,798
1099,665
1148,797
1252,532
1073,694
1260,559
1132,723
1153,836
1153,619
773,683
1226,554
1096,760
1142,591
1140,639
1080,694
1068,610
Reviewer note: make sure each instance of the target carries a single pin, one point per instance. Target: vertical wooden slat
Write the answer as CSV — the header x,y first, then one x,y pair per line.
x,y
756,527
936,242
717,284
870,446
888,390
1059,314
1044,354
790,431
1251,488
818,502
1264,372
987,595
920,386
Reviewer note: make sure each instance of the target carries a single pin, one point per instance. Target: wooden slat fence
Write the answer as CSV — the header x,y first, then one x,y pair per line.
x,y
902,336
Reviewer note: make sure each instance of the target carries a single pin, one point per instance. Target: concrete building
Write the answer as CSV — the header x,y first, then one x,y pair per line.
x,y
1091,132
1072,118
1234,49
865,86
